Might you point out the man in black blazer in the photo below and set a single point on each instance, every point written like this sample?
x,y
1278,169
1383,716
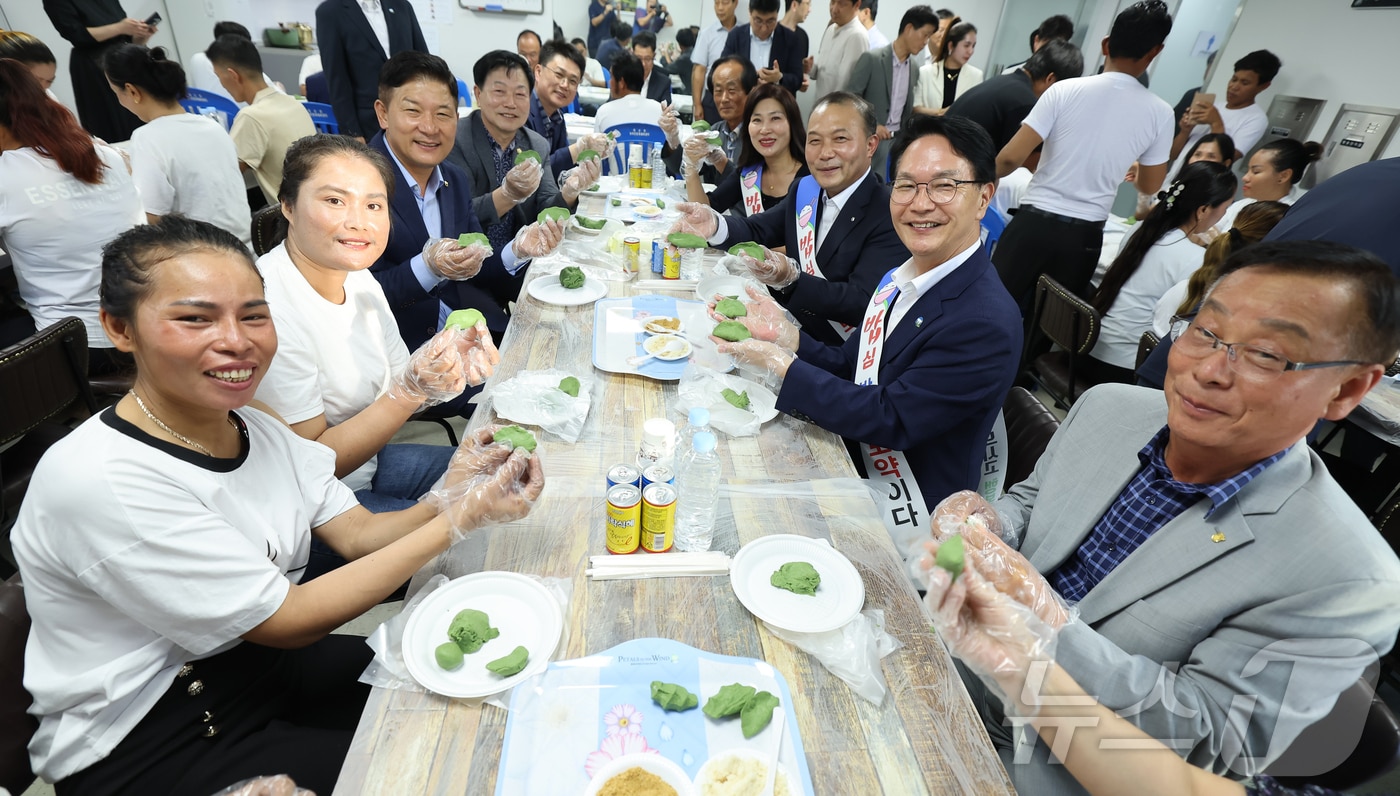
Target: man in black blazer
x,y
780,50
355,40
656,81
835,224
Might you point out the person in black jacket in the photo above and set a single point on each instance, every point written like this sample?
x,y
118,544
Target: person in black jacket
x,y
785,51
352,53
94,27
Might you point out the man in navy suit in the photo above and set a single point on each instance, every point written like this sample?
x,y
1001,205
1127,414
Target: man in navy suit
x,y
834,223
432,202
656,81
920,384
356,38
775,51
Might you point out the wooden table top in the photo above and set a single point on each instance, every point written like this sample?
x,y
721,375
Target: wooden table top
x,y
925,738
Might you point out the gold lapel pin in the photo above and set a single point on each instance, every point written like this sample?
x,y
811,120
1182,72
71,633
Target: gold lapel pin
x,y
1218,537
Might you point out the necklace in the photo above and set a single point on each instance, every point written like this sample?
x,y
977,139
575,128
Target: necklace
x,y
172,432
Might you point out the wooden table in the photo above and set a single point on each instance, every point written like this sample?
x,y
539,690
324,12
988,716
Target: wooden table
x,y
924,738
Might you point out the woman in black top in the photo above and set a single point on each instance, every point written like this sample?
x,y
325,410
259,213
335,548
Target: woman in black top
x,y
93,27
771,156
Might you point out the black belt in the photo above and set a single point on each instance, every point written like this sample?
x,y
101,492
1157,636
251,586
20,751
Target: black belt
x,y
1071,220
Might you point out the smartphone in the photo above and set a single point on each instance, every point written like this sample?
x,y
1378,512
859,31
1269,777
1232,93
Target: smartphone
x,y
153,19
1202,102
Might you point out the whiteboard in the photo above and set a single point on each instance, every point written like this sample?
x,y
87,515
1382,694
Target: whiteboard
x,y
504,6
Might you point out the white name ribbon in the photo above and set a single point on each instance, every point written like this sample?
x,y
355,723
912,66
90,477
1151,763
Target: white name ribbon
x,y
903,507
750,187
808,194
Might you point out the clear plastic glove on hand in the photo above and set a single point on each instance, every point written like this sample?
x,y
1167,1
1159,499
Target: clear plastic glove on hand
x,y
766,319
696,219
522,181
478,351
670,124
694,152
581,178
450,261
538,239
436,372
487,483
774,270
598,142
759,355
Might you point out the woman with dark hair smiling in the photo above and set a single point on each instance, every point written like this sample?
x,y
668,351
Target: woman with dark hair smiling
x,y
62,198
771,156
949,75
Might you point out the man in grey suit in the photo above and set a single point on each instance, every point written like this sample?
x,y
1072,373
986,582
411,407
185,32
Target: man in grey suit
x,y
1227,588
887,77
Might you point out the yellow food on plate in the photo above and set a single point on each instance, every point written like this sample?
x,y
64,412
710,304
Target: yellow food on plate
x,y
647,211
636,781
663,325
667,346
731,774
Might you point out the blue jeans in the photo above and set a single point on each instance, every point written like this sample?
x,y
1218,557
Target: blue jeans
x,y
405,472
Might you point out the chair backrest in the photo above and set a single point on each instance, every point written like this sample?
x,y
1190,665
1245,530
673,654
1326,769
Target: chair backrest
x,y
44,377
322,116
607,78
1029,427
268,229
1065,318
992,227
574,107
631,133
1146,343
317,90
203,103
464,94
1356,742
16,725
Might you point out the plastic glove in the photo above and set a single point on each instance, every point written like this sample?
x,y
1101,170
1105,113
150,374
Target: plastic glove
x,y
279,785
954,511
477,350
670,124
522,181
715,157
766,319
435,372
598,142
487,483
694,152
774,270
759,355
538,239
580,179
450,261
696,219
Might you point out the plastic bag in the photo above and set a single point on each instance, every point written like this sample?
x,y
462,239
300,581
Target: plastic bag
x,y
851,652
278,785
700,386
533,398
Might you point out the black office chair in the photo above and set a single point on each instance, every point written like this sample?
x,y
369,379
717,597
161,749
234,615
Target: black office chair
x,y
1355,743
16,725
1146,344
268,229
1069,322
1029,427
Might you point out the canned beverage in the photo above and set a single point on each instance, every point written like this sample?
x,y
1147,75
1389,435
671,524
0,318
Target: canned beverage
x,y
671,262
624,474
634,175
624,519
632,252
658,517
658,474
656,256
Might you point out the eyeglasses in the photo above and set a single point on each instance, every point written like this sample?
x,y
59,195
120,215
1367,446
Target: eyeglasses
x,y
1247,361
940,192
568,80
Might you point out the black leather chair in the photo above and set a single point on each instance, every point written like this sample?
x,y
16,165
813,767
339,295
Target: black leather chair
x,y
268,229
1146,343
43,389
1069,322
1355,743
16,726
1029,427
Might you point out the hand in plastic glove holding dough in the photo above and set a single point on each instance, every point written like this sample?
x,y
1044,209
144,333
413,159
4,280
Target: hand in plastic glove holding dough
x,y
598,142
774,270
448,260
487,483
766,319
696,219
759,355
478,352
694,152
435,372
581,178
538,239
670,124
522,180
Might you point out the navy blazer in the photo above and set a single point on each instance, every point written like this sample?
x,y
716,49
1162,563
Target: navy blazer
x,y
945,371
416,309
659,88
788,50
352,57
859,249
560,159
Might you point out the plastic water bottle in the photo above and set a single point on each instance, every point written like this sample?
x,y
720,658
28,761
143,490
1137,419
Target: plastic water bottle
x,y
697,420
658,168
697,487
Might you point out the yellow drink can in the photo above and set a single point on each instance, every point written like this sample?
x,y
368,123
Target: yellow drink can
x,y
624,519
658,517
670,262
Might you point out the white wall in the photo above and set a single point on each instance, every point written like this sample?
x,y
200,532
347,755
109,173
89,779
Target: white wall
x,y
1329,51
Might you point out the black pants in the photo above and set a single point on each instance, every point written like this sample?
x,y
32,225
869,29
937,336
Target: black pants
x,y
1034,243
248,712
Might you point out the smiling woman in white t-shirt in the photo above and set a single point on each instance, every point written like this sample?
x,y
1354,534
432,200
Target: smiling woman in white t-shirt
x,y
183,162
62,198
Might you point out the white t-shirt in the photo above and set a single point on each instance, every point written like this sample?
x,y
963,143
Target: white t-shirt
x,y
1228,220
186,163
169,557
1011,190
877,39
836,59
594,71
1166,307
1170,260
332,359
1245,126
54,227
201,75
1094,128
631,109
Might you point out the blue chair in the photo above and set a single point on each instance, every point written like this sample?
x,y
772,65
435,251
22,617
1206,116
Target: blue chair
x,y
992,227
464,94
322,116
316,88
646,134
202,103
575,106
607,78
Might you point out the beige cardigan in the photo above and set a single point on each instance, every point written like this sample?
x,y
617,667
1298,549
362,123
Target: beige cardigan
x,y
930,92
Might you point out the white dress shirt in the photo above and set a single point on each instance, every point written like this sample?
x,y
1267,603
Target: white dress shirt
x,y
831,208
912,287
760,51
374,12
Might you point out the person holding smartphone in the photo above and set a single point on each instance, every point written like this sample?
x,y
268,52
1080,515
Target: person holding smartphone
x,y
94,27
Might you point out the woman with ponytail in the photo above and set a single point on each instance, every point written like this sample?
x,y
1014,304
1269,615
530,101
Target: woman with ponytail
x,y
1273,175
183,163
1251,225
62,198
1156,256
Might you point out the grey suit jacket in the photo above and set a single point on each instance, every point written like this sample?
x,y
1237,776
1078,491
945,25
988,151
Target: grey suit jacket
x,y
472,153
873,78
1300,576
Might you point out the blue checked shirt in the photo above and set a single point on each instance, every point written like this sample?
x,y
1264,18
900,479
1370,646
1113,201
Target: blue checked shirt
x,y
1150,500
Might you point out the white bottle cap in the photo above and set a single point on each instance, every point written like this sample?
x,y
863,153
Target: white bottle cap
x,y
658,432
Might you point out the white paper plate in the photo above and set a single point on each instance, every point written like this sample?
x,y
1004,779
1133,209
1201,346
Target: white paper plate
x,y
711,286
839,598
763,404
675,346
548,290
523,610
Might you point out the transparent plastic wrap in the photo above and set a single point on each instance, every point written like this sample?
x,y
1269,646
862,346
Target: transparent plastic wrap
x,y
701,386
539,239
852,652
443,366
389,670
278,785
534,398
486,483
